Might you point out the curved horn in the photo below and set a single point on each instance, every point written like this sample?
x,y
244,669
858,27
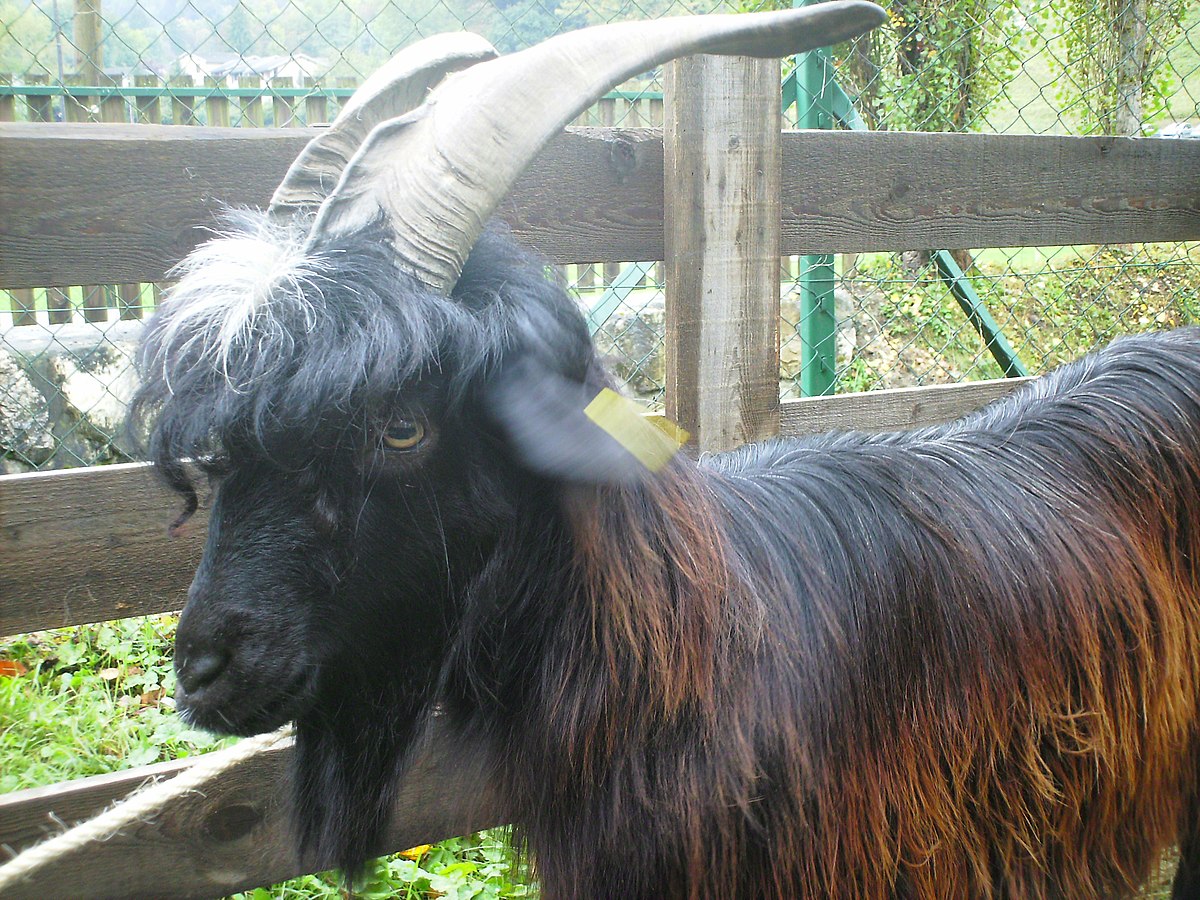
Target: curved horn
x,y
399,86
438,173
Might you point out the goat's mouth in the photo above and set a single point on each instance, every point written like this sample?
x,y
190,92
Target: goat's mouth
x,y
246,708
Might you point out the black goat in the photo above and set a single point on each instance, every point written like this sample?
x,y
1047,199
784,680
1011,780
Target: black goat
x,y
960,661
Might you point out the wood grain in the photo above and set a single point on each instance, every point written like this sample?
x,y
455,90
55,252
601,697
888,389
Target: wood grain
x,y
596,195
891,410
162,185
86,545
722,147
917,191
235,833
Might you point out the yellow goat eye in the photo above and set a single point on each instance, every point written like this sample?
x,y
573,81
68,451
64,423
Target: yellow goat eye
x,y
403,435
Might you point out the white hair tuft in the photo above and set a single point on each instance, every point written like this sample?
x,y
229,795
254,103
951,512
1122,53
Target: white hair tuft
x,y
248,286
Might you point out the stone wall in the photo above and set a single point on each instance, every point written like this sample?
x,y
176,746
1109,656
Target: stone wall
x,y
63,394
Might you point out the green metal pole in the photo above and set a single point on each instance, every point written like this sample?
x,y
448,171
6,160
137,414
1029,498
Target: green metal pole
x,y
832,102
977,313
818,319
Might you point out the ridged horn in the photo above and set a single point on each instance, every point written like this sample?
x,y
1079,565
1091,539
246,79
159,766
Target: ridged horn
x,y
401,85
438,173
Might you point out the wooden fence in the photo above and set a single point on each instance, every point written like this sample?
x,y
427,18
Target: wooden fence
x,y
242,102
119,203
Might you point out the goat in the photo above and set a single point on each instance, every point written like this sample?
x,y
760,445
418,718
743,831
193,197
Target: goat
x,y
956,661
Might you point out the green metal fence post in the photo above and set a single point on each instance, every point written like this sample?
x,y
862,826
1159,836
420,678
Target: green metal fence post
x,y
827,102
977,313
818,319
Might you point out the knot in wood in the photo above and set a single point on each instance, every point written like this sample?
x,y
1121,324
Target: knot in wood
x,y
622,155
230,823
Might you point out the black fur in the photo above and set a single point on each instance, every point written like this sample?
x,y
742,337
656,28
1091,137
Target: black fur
x,y
704,682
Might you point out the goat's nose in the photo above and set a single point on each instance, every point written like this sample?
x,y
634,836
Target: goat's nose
x,y
199,670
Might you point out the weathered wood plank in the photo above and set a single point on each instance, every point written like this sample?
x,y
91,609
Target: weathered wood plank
x,y
86,545
123,227
283,111
234,834
913,191
722,142
27,817
595,195
891,410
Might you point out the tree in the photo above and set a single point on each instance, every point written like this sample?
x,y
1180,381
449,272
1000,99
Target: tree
x,y
938,67
26,38
240,30
1115,54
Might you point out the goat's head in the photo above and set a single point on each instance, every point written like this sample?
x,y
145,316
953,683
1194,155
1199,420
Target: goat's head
x,y
378,385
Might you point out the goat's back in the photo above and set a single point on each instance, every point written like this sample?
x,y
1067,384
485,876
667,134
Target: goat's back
x,y
978,664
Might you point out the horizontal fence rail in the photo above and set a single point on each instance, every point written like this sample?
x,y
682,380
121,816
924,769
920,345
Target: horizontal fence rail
x,y
232,835
115,203
111,521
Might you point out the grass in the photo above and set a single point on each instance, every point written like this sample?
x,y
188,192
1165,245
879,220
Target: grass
x,y
90,700
98,698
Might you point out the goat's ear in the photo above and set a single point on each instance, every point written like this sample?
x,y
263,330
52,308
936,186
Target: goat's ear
x,y
576,432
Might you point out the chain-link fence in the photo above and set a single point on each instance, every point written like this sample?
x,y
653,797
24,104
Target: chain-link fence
x,y
848,322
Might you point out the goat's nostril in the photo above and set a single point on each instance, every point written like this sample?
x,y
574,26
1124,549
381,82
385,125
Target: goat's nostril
x,y
201,670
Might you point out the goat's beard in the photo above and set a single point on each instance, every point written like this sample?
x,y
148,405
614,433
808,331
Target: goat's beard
x,y
351,747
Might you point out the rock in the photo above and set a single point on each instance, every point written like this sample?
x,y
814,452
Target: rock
x,y
24,418
846,334
631,343
68,388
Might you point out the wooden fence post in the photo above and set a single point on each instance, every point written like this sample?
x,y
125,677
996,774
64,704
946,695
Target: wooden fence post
x,y
283,109
252,107
216,105
39,107
87,28
183,110
721,180
316,105
148,110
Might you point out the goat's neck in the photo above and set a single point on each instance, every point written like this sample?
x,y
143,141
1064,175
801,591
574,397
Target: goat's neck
x,y
617,592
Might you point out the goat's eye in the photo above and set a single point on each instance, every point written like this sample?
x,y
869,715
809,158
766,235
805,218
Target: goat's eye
x,y
402,434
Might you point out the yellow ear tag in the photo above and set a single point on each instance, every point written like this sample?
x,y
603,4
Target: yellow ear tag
x,y
652,441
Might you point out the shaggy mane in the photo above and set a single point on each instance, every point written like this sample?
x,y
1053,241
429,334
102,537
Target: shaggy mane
x,y
932,654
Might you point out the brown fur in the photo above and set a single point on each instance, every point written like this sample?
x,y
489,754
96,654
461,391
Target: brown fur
x,y
910,683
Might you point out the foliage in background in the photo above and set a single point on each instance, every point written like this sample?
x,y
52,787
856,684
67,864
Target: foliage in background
x,y
1050,304
1115,55
938,65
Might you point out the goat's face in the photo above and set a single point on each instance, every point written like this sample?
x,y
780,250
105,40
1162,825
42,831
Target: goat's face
x,y
363,465
352,556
